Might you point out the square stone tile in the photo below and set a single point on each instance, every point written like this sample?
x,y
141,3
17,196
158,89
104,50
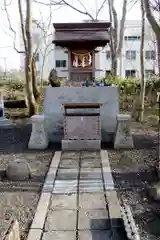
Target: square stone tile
x,y
87,186
90,163
93,219
65,186
61,220
90,154
69,163
92,201
59,202
67,174
90,173
95,235
59,235
70,154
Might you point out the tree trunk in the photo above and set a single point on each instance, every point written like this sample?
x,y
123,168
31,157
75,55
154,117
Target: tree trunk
x,y
113,64
142,93
31,103
158,54
32,106
155,26
36,93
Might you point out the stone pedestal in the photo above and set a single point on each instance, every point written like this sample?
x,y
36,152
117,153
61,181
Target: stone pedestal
x,y
123,137
39,138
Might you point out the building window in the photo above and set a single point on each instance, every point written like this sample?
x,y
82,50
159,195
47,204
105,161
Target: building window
x,y
150,55
108,54
132,38
130,73
61,63
149,73
131,55
37,57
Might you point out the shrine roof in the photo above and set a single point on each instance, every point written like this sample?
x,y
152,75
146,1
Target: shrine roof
x,y
66,33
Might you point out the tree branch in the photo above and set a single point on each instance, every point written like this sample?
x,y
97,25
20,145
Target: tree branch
x,y
121,30
150,17
100,8
10,27
22,25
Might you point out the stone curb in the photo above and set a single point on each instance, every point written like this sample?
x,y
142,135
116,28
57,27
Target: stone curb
x,y
116,210
36,230
112,198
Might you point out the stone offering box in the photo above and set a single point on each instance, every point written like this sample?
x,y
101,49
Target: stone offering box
x,y
82,126
55,98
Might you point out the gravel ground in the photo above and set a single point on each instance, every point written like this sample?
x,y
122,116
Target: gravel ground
x,y
133,172
19,199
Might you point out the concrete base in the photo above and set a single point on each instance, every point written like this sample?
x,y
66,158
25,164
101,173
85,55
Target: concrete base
x,y
4,122
81,145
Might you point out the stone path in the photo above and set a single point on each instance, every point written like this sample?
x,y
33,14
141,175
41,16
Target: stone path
x,y
80,207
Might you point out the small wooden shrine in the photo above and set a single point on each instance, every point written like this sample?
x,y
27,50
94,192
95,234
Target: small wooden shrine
x,y
81,41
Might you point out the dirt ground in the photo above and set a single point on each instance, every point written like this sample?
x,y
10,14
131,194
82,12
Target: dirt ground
x,y
19,199
133,172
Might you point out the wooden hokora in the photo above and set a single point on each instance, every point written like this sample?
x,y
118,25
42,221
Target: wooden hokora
x,y
81,41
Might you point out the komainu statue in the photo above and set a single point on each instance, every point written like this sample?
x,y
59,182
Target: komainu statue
x,y
53,78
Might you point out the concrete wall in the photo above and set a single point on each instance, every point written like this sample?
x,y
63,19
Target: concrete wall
x,y
55,97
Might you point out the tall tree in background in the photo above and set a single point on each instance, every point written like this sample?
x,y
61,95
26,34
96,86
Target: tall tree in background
x,y
30,70
27,39
151,5
142,92
116,34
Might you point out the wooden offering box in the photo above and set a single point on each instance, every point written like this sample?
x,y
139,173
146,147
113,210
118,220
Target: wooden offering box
x,y
82,121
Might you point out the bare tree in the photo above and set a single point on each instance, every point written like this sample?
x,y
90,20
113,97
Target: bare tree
x,y
26,28
142,92
154,24
116,43
30,51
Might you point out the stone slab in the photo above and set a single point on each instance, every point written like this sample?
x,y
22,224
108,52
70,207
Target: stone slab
x,y
51,175
35,234
90,173
65,186
81,145
59,235
39,218
90,154
108,96
59,202
114,209
69,163
70,154
89,186
91,163
92,201
104,158
67,174
61,220
95,235
56,159
93,219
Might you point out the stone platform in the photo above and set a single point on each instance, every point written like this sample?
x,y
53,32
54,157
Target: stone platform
x,y
54,98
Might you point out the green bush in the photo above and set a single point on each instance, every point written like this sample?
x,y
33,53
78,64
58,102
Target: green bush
x,y
16,85
127,85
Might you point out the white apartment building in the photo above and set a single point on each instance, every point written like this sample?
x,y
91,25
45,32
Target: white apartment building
x,y
128,62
